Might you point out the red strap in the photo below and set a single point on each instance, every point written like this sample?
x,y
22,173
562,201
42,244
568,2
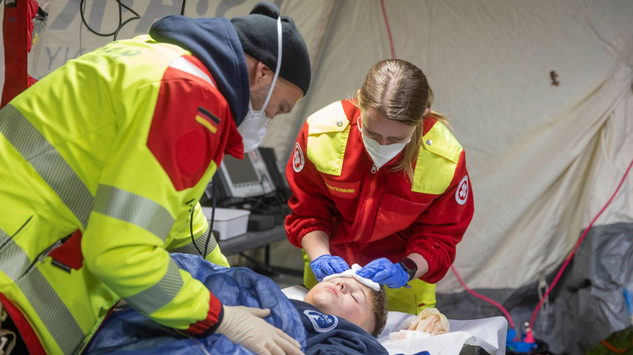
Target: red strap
x,y
614,349
24,328
214,316
17,30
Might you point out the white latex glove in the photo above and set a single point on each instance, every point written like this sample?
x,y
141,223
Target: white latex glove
x,y
244,325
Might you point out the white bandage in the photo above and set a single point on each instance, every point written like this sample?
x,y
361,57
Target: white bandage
x,y
352,273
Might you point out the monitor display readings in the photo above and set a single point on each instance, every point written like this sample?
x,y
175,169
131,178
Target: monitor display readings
x,y
241,171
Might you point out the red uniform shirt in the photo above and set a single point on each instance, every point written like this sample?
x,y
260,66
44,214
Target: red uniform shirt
x,y
371,215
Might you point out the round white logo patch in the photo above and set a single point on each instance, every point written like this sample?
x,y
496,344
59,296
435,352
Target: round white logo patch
x,y
461,195
298,161
321,323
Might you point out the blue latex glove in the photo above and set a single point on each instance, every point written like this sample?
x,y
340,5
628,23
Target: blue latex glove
x,y
385,272
326,265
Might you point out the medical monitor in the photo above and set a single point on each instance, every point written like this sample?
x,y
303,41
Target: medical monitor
x,y
248,177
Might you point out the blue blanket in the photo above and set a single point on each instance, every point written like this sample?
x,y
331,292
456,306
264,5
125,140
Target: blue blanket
x,y
128,332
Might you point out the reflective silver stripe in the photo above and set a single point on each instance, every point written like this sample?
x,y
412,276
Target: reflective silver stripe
x,y
135,209
52,311
200,242
41,296
183,64
157,296
13,261
47,161
4,237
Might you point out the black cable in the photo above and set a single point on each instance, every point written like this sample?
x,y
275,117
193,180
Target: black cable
x,y
115,33
137,17
260,202
193,240
82,8
261,182
193,208
213,195
275,193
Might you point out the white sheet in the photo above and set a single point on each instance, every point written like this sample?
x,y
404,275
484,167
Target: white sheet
x,y
488,333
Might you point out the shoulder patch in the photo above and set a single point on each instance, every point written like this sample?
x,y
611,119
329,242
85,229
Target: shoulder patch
x,y
321,323
298,160
461,195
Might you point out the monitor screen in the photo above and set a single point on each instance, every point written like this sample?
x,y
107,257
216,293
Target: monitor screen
x,y
240,171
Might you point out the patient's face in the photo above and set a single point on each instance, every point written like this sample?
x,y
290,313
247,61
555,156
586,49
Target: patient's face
x,y
344,297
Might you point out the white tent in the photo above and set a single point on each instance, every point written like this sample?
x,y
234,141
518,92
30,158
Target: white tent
x,y
538,92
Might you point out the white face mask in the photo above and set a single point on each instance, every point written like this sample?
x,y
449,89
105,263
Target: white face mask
x,y
381,154
254,127
255,124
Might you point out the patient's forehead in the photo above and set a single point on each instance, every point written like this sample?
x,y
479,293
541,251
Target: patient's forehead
x,y
363,287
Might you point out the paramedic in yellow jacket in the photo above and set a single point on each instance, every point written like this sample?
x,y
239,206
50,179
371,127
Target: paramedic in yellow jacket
x,y
102,164
380,181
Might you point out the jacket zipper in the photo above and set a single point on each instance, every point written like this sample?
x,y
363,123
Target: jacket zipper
x,y
367,211
44,254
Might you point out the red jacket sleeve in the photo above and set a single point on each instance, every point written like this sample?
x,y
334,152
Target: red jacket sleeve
x,y
438,230
312,208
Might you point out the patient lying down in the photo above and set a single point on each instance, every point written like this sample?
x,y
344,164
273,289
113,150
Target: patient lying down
x,y
336,317
349,299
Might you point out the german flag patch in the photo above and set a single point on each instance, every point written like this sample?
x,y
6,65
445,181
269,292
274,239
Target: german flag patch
x,y
207,119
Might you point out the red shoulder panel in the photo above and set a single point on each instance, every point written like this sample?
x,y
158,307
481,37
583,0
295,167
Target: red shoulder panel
x,y
189,126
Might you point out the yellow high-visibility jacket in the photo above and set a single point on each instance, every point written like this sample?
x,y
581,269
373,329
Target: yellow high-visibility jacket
x,y
101,163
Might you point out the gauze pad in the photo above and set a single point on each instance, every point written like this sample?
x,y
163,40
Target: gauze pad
x,y
352,273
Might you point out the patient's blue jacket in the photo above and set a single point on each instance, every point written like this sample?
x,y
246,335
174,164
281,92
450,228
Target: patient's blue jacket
x,y
328,334
128,332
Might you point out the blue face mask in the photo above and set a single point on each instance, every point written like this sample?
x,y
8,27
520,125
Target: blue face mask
x,y
255,124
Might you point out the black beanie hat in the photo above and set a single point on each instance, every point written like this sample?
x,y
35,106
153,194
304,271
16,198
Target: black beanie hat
x,y
257,32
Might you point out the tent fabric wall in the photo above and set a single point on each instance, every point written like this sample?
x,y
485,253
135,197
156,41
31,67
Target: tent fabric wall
x,y
65,38
543,158
531,147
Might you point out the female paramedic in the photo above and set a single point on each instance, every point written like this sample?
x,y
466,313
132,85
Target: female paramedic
x,y
379,180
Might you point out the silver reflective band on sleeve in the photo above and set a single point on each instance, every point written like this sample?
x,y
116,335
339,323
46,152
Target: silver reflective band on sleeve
x,y
47,161
200,242
157,296
132,208
183,64
51,310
